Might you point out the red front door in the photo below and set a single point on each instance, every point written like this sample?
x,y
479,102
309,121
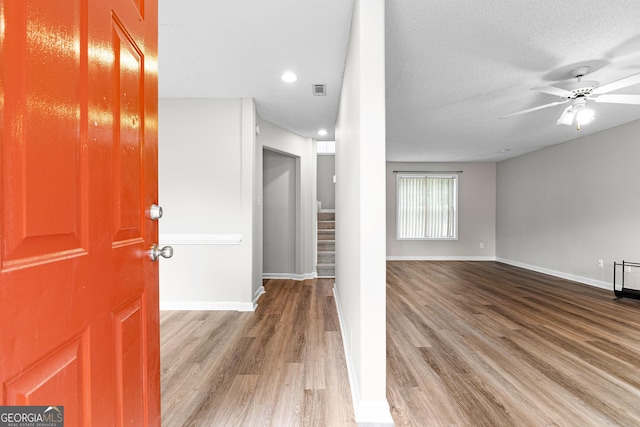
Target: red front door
x,y
78,291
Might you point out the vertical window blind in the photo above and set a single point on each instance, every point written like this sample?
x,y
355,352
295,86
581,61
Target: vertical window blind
x,y
427,207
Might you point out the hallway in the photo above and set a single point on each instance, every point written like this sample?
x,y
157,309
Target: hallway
x,y
282,365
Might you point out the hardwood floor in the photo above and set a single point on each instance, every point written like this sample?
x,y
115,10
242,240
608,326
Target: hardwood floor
x,y
468,343
282,365
487,344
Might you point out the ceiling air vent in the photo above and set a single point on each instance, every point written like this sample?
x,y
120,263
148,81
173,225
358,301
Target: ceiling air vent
x,y
319,90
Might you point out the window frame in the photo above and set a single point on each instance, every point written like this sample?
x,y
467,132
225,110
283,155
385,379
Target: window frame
x,y
427,175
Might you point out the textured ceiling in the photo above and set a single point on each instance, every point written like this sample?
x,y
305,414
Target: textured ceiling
x,y
453,67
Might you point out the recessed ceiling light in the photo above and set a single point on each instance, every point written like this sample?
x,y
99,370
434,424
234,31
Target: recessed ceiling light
x,y
289,77
322,132
504,150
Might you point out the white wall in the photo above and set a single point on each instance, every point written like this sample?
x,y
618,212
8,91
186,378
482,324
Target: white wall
x,y
561,209
249,130
476,215
360,220
303,149
207,165
279,213
326,187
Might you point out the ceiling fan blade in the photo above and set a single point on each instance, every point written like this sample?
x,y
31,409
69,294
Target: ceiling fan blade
x,y
553,91
567,116
618,99
633,79
535,109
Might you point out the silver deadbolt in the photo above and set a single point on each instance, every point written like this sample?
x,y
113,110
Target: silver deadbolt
x,y
155,212
156,252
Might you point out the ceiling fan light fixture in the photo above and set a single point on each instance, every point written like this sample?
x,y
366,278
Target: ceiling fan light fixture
x,y
579,92
567,116
585,116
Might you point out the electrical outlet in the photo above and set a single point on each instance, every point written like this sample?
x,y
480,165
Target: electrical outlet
x,y
627,269
600,263
481,245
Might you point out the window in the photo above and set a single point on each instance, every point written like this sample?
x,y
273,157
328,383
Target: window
x,y
427,206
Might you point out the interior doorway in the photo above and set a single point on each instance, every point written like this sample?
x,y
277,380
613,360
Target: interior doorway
x,y
280,214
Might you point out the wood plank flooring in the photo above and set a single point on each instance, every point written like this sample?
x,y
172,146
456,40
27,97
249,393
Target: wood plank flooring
x,y
282,365
468,344
487,344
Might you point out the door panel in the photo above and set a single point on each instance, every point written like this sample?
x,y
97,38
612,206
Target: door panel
x,y
64,373
33,231
129,339
129,116
78,293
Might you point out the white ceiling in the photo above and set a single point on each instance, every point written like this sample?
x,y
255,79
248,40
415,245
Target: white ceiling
x,y
453,68
240,48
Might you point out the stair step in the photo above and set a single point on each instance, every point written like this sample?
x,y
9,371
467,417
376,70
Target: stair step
x,y
326,235
326,245
326,225
326,270
326,257
326,216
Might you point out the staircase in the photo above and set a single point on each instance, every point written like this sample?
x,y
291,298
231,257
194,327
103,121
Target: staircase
x,y
326,244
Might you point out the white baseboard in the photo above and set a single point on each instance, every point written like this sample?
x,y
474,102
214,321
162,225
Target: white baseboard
x,y
365,411
440,258
290,276
206,306
560,274
213,305
257,295
375,413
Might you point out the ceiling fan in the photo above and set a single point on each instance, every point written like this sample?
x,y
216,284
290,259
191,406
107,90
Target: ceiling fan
x,y
580,92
